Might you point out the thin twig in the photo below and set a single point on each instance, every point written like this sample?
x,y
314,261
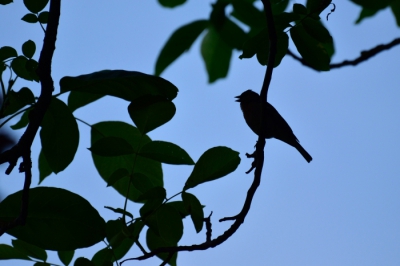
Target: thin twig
x,y
364,55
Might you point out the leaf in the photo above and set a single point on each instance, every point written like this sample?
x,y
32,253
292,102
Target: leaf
x,y
111,146
317,6
127,85
102,257
35,6
59,136
77,99
149,112
30,250
29,48
179,42
365,13
31,66
312,51
7,253
259,44
5,2
44,168
50,210
118,239
18,65
395,7
248,14
66,256
83,262
16,100
43,17
232,34
216,55
117,175
30,18
171,3
23,122
373,4
180,207
149,170
154,241
300,9
213,164
119,210
7,52
165,152
193,206
278,6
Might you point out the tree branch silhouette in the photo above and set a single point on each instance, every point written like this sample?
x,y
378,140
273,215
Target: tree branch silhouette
x,y
239,218
23,147
364,55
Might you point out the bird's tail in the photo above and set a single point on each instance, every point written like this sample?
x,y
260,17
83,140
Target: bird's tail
x,y
303,152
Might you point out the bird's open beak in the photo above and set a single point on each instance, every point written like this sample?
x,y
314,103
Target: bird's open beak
x,y
238,98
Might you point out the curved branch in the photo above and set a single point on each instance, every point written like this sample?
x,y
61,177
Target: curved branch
x,y
22,148
364,55
259,162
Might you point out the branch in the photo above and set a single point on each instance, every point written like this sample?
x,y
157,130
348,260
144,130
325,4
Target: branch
x,y
239,218
23,147
364,55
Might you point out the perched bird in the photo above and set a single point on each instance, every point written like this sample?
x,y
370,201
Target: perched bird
x,y
276,126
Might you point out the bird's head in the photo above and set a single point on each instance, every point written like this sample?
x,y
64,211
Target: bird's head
x,y
248,96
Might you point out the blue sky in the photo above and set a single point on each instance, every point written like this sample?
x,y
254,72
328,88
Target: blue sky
x,y
341,209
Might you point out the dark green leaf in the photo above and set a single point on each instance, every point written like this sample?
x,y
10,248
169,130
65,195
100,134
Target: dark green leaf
x,y
83,262
51,209
29,48
41,264
31,66
142,184
171,3
365,13
317,6
128,85
300,9
154,198
7,52
154,193
59,136
7,253
111,146
149,112
193,206
43,17
23,122
77,99
216,55
154,241
35,6
232,34
180,207
317,31
312,51
213,164
30,18
373,4
117,175
169,223
5,2
16,100
166,152
395,6
150,170
44,168
103,257
179,42
118,239
66,256
278,6
30,250
18,65
119,210
248,14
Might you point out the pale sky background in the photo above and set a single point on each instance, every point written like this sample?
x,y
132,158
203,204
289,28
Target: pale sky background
x,y
341,209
